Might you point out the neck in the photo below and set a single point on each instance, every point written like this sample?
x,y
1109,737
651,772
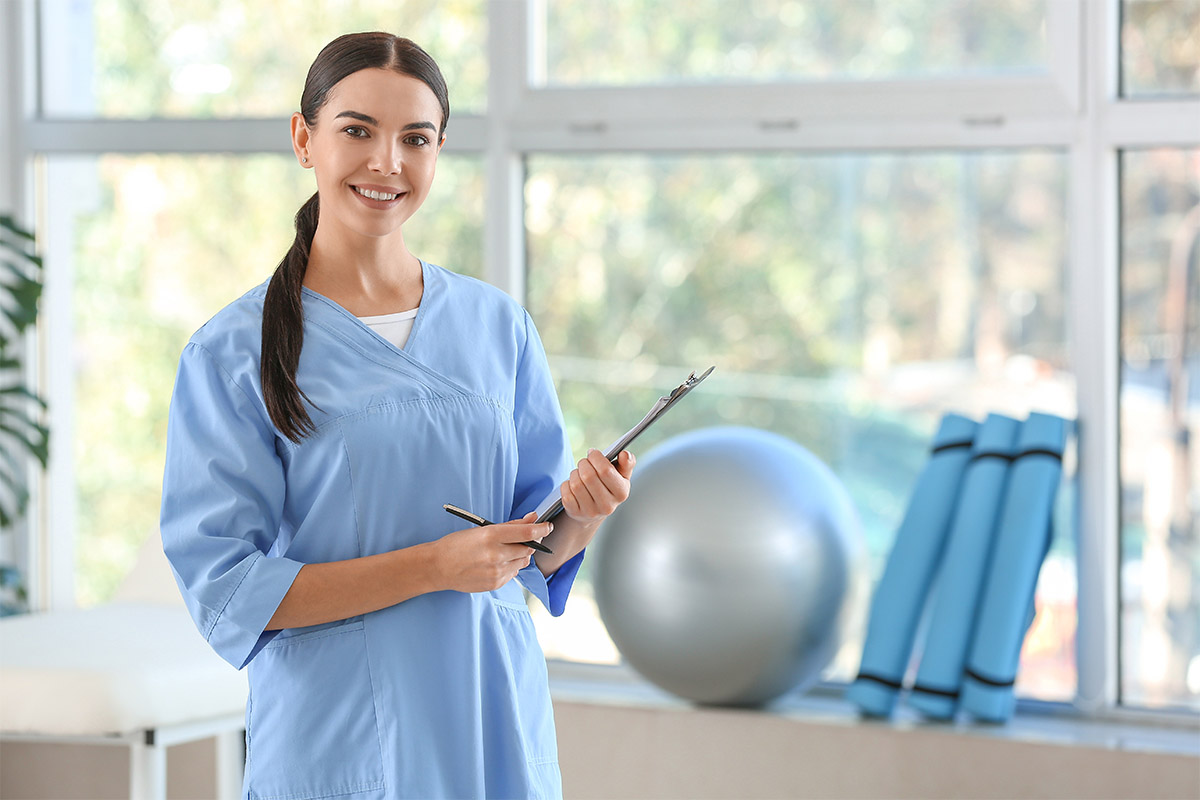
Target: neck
x,y
365,275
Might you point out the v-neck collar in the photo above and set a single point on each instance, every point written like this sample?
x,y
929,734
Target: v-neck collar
x,y
340,323
426,274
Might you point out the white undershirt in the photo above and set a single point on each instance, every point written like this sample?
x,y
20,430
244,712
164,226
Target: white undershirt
x,y
393,327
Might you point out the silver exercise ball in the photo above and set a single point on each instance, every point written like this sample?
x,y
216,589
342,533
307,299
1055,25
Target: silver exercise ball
x,y
726,577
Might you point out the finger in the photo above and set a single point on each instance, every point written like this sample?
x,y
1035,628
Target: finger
x,y
593,466
596,459
517,564
518,532
516,567
583,493
574,504
569,501
528,519
625,464
611,481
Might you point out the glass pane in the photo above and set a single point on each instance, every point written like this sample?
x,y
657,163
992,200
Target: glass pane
x,y
225,58
848,302
1160,49
157,245
1160,427
627,42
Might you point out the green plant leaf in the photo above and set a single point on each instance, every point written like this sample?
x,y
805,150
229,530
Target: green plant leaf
x,y
22,433
9,224
13,478
32,436
25,255
14,500
25,293
21,391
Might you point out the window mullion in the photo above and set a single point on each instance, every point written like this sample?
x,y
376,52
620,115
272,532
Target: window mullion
x,y
1093,295
57,529
504,230
1065,49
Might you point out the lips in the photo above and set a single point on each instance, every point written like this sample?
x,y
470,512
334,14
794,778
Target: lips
x,y
377,196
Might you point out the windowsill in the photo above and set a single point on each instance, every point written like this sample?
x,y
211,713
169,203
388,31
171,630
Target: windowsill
x,y
1035,723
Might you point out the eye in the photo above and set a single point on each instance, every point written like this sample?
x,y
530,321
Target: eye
x,y
417,140
355,131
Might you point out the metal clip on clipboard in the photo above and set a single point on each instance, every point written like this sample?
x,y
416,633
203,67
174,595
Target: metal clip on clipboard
x,y
552,506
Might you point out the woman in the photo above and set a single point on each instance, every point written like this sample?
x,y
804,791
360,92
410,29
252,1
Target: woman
x,y
390,653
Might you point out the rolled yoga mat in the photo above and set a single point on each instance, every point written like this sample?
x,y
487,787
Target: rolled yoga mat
x,y
1022,539
960,577
901,593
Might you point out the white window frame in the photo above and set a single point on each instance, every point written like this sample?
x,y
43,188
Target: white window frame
x,y
1074,108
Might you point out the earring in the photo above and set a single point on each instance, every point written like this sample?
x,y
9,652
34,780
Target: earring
x,y
304,159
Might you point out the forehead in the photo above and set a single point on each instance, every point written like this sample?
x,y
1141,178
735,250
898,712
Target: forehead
x,y
389,96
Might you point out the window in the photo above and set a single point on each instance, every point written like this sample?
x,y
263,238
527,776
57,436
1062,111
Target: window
x,y
1160,50
650,42
848,302
1160,420
227,58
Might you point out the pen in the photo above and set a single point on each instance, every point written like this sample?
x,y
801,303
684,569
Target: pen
x,y
478,520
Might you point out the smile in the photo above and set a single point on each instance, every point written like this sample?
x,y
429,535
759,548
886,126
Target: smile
x,y
373,195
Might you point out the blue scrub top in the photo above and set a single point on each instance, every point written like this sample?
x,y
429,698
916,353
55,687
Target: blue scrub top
x,y
443,695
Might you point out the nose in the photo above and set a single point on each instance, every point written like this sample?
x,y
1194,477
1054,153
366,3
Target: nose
x,y
386,158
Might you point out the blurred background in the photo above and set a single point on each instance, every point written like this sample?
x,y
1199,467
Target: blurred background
x,y
644,177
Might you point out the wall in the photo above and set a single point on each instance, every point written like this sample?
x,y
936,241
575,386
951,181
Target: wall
x,y
608,751
619,751
99,772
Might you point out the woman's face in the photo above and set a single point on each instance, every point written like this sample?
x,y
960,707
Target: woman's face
x,y
374,150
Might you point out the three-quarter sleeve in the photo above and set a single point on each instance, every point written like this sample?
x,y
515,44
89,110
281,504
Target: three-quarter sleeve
x,y
543,461
223,495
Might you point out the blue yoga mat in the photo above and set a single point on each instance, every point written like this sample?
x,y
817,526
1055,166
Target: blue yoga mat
x,y
960,577
902,590
1022,539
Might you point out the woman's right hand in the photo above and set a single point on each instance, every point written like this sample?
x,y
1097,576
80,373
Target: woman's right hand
x,y
485,558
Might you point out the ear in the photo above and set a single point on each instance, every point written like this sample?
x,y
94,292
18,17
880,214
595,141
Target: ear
x,y
441,143
300,136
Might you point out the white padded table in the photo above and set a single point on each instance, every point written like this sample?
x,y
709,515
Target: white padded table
x,y
133,674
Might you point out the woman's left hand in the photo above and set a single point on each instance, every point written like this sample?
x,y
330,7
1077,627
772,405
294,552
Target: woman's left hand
x,y
596,487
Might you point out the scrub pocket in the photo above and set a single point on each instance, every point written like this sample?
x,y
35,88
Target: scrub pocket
x,y
531,690
312,729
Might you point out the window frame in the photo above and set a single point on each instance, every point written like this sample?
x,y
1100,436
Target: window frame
x,y
1075,106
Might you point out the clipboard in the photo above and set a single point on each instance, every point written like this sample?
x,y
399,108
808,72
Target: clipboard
x,y
552,506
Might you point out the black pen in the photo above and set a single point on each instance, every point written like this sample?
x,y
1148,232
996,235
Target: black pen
x,y
478,520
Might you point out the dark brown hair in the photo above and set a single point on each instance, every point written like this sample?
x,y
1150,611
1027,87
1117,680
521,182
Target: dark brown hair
x,y
283,310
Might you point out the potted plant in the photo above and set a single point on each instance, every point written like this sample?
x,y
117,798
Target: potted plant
x,y
22,432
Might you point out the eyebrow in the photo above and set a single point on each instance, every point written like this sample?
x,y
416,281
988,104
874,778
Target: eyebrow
x,y
367,118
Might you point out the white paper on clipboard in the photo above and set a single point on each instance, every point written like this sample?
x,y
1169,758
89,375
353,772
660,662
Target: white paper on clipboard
x,y
550,508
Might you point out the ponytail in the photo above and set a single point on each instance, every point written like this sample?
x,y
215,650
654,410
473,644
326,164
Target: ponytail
x,y
283,332
283,309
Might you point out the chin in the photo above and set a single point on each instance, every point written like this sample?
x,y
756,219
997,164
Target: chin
x,y
377,228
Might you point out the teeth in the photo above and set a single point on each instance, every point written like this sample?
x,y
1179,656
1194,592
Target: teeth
x,y
376,195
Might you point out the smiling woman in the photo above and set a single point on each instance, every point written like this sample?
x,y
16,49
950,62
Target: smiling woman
x,y
351,71
309,452
373,175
